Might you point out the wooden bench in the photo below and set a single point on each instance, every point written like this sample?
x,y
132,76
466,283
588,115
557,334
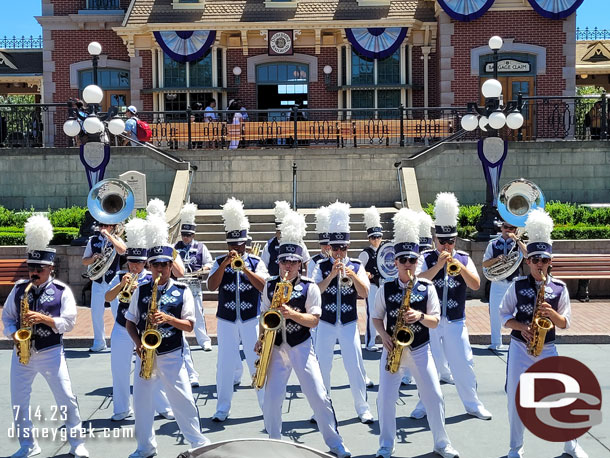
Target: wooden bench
x,y
581,267
12,270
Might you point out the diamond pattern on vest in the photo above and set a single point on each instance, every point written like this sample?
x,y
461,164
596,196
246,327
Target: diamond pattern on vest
x,y
230,287
452,304
527,292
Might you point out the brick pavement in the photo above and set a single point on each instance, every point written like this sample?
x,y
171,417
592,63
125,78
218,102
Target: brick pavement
x,y
590,322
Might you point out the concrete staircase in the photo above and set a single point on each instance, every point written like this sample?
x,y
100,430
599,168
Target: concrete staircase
x,y
210,230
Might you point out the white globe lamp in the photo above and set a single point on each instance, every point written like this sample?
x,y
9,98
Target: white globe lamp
x,y
94,48
483,122
116,126
71,128
514,120
495,43
327,69
93,94
497,120
491,88
93,125
469,122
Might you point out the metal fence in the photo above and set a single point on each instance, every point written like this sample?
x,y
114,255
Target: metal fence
x,y
21,43
592,34
580,118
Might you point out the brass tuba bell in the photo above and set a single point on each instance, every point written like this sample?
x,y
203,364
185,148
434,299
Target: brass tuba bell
x,y
111,201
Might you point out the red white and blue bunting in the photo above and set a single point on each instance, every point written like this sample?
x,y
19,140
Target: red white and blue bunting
x,y
469,10
376,42
555,9
185,46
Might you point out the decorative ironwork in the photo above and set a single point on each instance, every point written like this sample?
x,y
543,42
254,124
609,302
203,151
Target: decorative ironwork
x,y
21,43
592,34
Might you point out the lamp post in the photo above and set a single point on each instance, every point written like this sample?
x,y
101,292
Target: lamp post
x,y
492,150
94,49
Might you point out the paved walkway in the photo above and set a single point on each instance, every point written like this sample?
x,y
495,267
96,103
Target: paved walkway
x,y
590,323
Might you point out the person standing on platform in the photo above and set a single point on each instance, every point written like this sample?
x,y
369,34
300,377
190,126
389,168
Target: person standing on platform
x,y
271,250
452,272
368,258
293,348
51,313
516,312
239,278
197,261
341,281
322,225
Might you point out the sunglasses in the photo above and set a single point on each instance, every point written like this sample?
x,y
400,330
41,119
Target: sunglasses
x,y
375,237
509,228
160,264
444,241
537,260
186,234
339,247
289,262
404,259
35,268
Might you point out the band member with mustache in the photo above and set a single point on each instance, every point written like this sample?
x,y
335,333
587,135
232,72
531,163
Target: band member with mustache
x,y
52,313
239,294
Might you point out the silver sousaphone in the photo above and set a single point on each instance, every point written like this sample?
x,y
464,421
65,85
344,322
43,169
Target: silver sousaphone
x,y
110,201
385,261
515,202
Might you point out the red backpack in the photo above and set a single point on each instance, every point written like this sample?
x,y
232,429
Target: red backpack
x,y
143,131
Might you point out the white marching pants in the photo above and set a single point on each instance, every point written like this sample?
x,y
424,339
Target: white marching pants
x,y
453,337
229,335
303,360
496,294
371,332
121,355
438,353
201,333
349,341
169,369
422,367
98,291
518,362
51,364
188,361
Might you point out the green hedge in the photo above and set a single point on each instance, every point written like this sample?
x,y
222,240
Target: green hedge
x,y
61,236
63,217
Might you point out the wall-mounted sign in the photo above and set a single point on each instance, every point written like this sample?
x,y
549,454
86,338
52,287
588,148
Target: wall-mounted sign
x,y
280,43
508,65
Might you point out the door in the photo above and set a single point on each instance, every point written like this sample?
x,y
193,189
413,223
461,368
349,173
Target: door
x,y
118,99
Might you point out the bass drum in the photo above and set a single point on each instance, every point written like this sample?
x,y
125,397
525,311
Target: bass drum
x,y
385,261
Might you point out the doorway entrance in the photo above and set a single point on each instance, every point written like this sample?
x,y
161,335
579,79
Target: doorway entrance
x,y
280,86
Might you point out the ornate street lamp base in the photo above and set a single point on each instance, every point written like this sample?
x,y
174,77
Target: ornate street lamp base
x,y
487,226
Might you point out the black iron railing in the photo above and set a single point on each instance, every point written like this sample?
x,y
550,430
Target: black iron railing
x,y
31,125
21,43
592,34
103,5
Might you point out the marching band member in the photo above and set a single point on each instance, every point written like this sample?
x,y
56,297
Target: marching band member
x,y
424,313
52,313
451,335
238,304
516,312
175,315
93,251
368,258
293,347
495,252
197,260
271,250
322,225
339,319
121,351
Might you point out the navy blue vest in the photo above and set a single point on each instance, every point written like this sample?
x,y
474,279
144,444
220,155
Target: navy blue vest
x,y
122,308
273,247
169,301
97,242
48,302
527,292
394,295
249,296
346,308
371,265
456,286
497,248
295,333
195,255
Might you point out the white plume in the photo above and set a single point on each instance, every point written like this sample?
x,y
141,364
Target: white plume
x,y
406,226
234,216
293,228
135,231
281,210
371,217
446,209
539,226
339,217
425,225
156,207
322,220
187,214
38,232
157,231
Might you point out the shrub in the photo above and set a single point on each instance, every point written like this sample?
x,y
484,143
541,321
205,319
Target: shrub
x,y
67,217
61,236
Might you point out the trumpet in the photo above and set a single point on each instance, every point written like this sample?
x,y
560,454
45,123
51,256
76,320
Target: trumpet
x,y
344,280
125,294
453,268
237,264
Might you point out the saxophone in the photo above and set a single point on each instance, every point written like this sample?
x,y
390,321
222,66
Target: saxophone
x,y
151,337
271,321
403,335
24,335
540,325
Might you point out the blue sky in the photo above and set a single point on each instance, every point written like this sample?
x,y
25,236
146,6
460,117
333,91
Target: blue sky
x,y
18,16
